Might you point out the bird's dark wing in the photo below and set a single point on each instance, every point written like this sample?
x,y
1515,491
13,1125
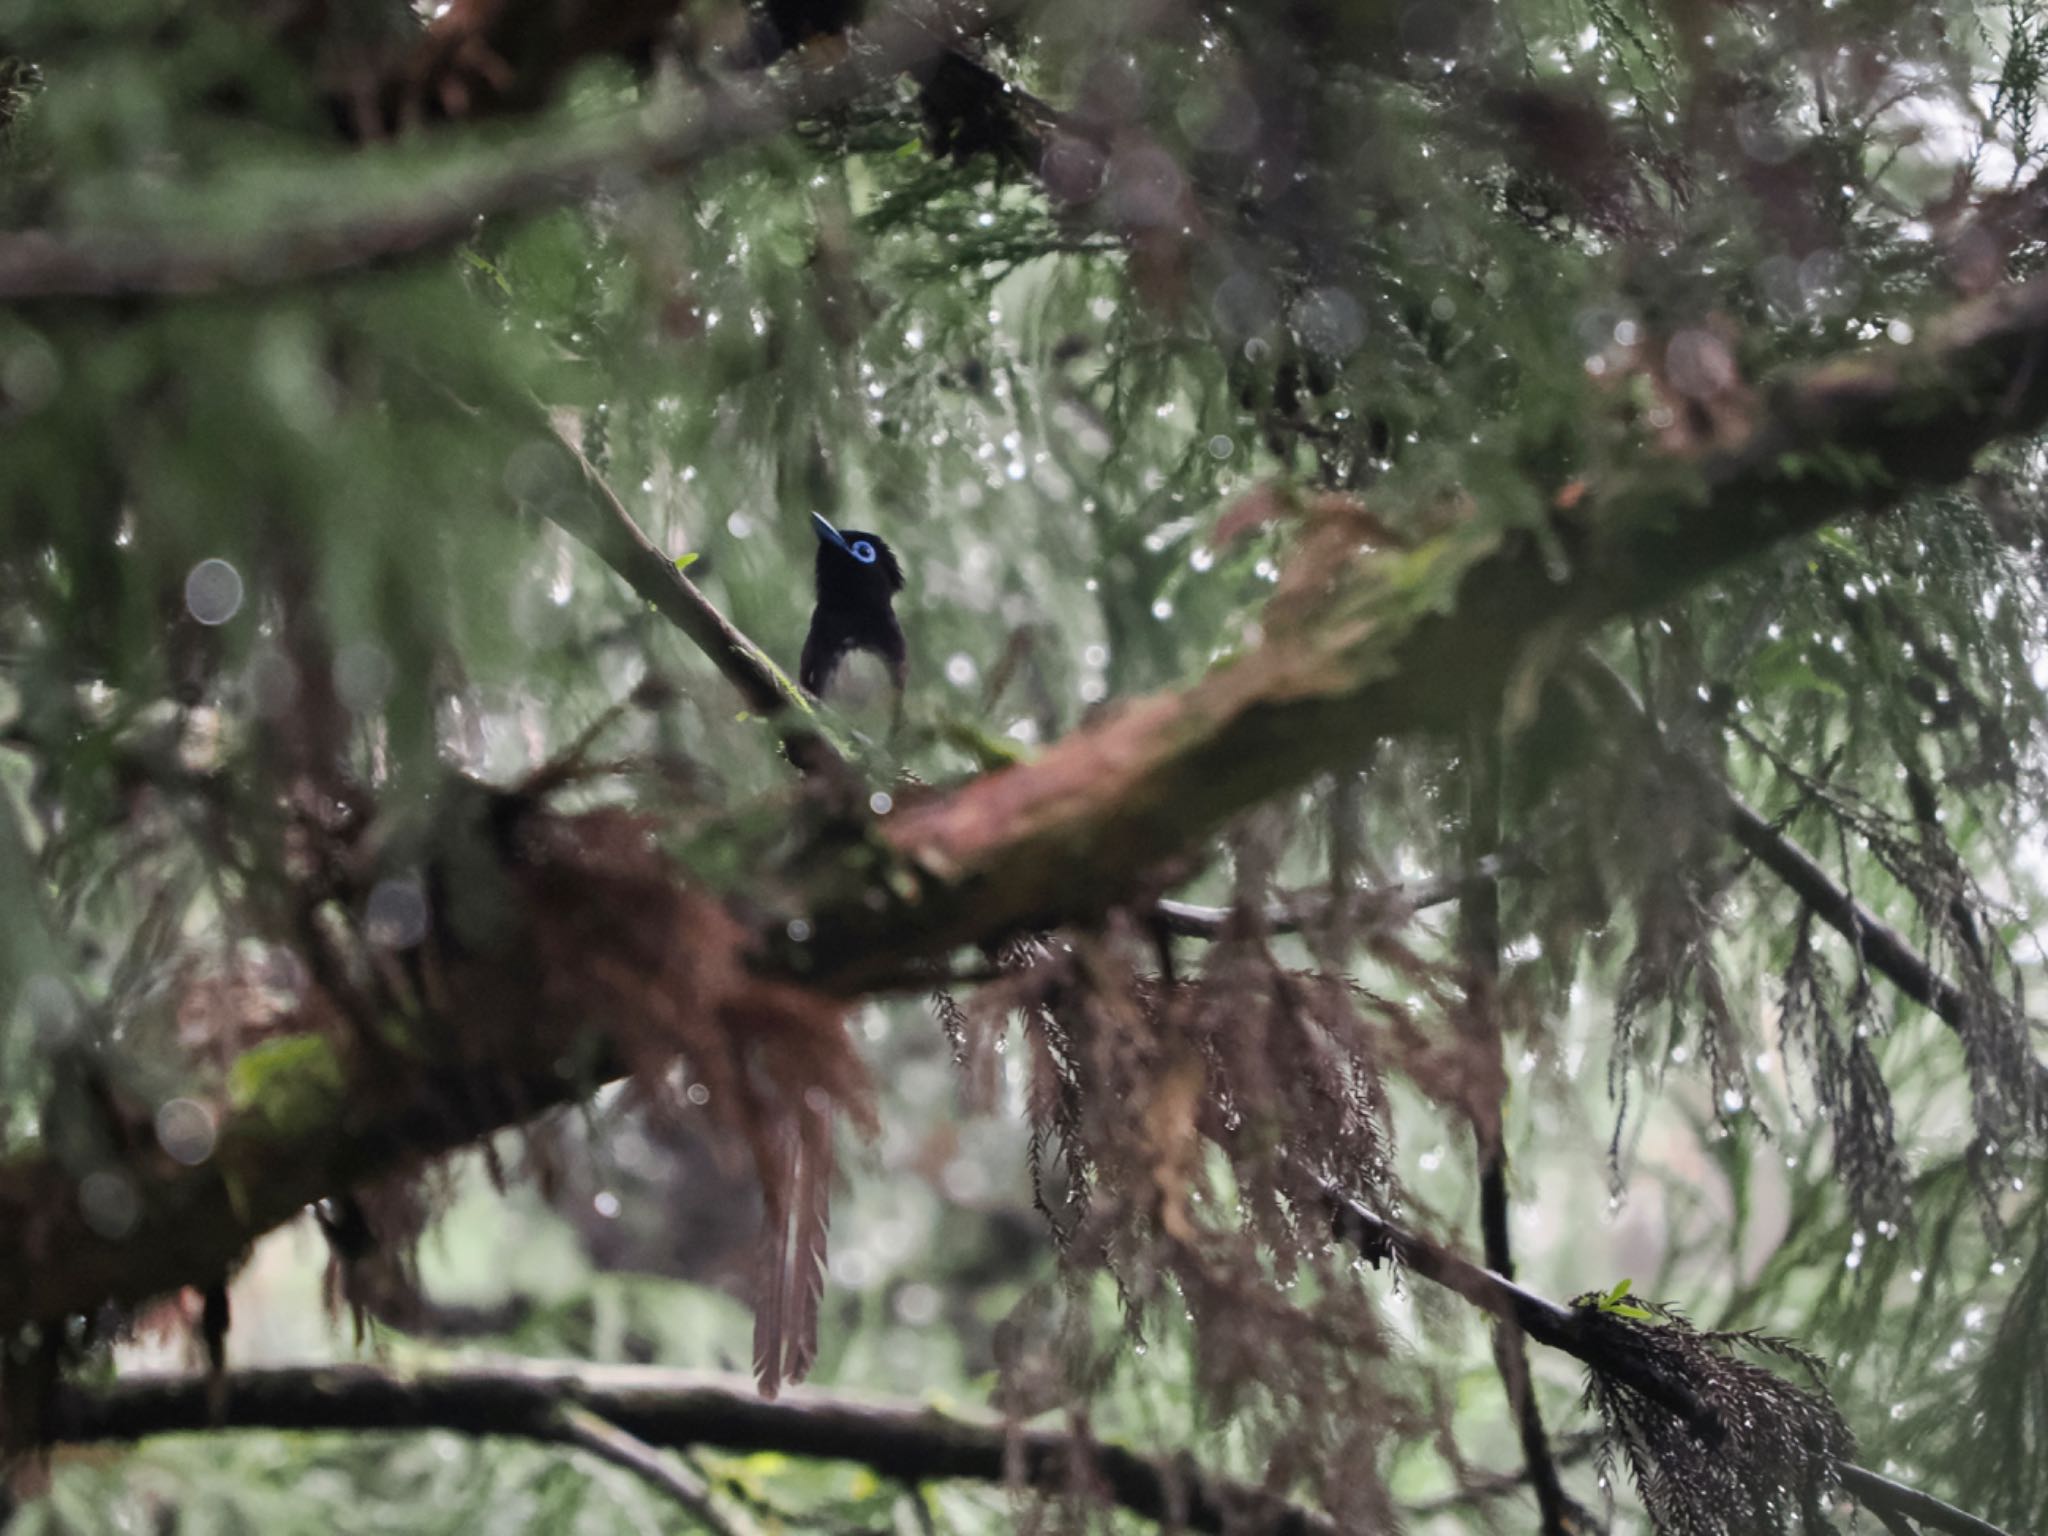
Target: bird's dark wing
x,y
825,647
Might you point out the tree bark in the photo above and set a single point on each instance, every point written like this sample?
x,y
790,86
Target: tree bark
x,y
677,1409
1400,642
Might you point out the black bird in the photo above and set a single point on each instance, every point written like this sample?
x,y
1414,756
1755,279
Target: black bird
x,y
858,577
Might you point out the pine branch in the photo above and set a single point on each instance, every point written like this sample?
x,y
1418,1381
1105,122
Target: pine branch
x,y
1879,945
547,169
675,1410
1407,641
1586,1335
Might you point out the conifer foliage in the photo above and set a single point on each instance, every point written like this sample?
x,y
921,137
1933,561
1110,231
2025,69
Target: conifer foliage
x,y
1475,603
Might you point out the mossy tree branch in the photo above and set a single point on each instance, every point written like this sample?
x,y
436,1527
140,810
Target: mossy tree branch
x,y
1607,1346
1400,643
1419,640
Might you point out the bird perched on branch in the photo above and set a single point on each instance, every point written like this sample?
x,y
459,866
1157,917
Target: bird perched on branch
x,y
855,653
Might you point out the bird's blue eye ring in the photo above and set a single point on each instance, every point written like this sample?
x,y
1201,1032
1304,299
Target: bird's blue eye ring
x,y
863,551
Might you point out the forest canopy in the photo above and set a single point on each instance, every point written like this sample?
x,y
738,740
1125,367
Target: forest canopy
x,y
854,766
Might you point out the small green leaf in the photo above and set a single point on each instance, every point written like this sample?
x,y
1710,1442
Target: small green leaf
x,y
683,563
490,270
1621,1289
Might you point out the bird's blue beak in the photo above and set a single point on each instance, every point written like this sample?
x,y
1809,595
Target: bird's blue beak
x,y
826,533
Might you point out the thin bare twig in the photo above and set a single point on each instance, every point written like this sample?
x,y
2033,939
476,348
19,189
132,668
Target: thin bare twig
x,y
1499,1485
574,1425
1371,905
1480,1021
602,523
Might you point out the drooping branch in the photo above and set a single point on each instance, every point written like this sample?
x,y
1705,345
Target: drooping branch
x,y
675,1410
1877,943
549,169
1605,1347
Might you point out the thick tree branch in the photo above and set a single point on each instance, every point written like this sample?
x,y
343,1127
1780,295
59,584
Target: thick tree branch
x,y
1399,642
549,169
675,1410
1408,641
1604,1346
312,1125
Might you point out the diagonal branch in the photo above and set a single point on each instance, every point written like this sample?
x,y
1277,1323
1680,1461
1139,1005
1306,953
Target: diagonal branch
x,y
1399,642
573,1424
568,490
1885,949
676,1409
546,169
599,520
1584,1334
1877,943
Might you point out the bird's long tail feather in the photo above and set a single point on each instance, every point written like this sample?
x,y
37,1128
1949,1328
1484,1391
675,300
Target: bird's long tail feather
x,y
790,1278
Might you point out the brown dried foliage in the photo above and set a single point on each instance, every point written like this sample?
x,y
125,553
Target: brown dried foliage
x,y
1135,1084
548,935
610,936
